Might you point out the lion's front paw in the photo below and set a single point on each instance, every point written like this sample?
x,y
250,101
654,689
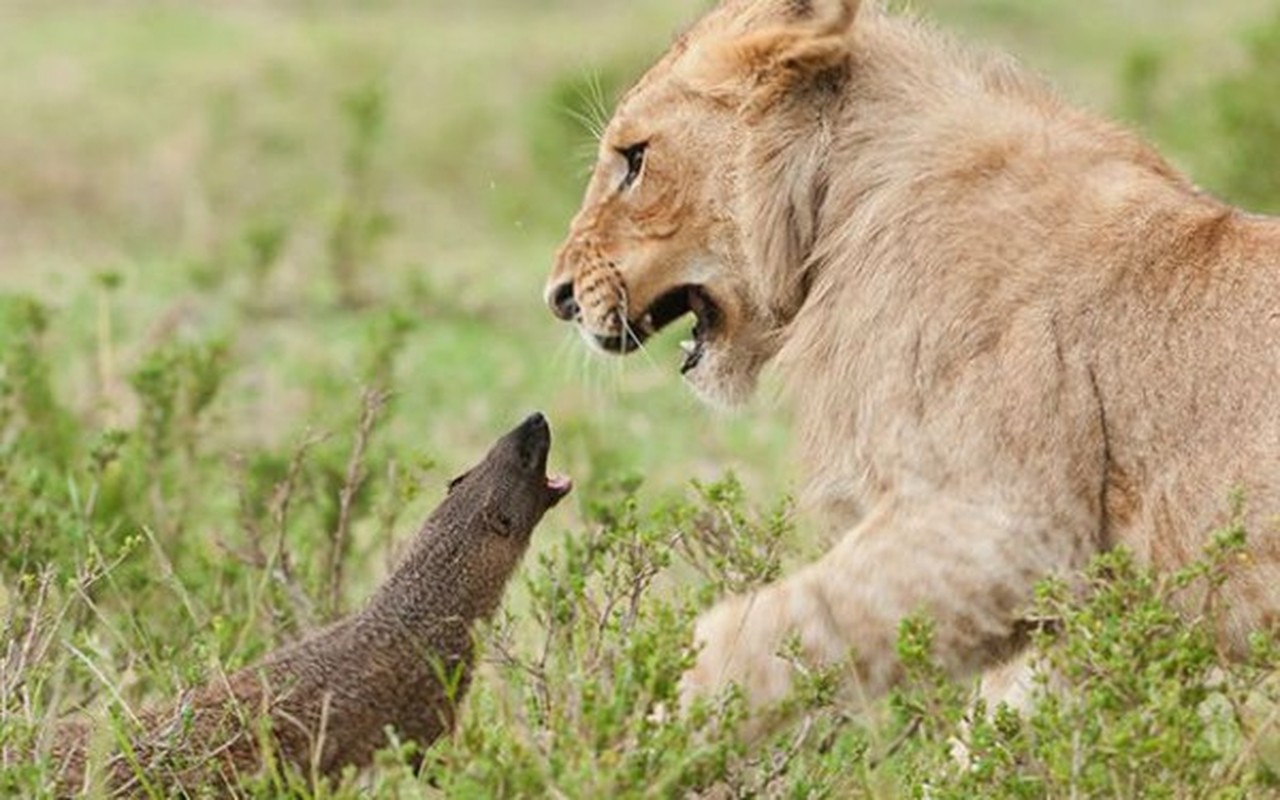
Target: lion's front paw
x,y
739,642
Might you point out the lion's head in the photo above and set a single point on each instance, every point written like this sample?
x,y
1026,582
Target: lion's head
x,y
705,193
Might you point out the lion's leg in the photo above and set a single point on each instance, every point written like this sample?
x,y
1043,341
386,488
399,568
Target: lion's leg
x,y
969,568
1012,683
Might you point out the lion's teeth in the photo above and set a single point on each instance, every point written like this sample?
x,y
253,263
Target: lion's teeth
x,y
693,350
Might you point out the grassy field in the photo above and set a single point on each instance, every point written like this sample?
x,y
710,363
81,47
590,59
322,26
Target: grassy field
x,y
222,224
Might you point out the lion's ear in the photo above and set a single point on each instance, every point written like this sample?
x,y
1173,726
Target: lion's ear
x,y
759,67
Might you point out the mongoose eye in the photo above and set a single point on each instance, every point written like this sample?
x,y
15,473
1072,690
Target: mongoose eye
x,y
453,484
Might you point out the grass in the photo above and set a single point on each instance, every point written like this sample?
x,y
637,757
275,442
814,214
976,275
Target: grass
x,y
222,225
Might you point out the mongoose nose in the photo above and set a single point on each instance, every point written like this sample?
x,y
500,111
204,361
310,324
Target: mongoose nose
x,y
535,422
533,440
560,298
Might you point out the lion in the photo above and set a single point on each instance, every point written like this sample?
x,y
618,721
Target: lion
x,y
1011,334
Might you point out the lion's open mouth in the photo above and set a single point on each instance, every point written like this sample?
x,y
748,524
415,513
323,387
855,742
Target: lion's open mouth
x,y
665,310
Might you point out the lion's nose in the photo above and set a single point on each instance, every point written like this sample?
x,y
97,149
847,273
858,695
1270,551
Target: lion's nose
x,y
560,298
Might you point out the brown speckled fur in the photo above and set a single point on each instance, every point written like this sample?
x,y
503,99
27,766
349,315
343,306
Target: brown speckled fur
x,y
403,662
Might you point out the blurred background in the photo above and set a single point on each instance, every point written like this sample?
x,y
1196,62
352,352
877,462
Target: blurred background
x,y
229,229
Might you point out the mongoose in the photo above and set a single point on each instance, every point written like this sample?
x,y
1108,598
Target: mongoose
x,y
403,662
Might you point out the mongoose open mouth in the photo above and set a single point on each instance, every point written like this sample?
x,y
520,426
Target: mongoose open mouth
x,y
559,486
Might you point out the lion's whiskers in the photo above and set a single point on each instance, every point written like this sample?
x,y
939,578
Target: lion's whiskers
x,y
594,116
596,106
628,332
591,126
564,349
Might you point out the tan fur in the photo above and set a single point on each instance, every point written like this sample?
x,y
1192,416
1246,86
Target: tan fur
x,y
1012,334
401,664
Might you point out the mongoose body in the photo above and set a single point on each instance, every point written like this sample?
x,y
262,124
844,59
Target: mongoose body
x,y
401,663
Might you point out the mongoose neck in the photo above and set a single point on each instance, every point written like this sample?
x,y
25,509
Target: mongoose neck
x,y
451,577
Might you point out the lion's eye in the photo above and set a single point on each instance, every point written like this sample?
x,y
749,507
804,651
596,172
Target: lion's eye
x,y
635,162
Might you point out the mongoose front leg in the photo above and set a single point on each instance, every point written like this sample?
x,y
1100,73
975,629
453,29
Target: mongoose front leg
x,y
970,568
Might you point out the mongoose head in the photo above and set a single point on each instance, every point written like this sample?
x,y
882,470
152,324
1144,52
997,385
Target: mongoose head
x,y
506,494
